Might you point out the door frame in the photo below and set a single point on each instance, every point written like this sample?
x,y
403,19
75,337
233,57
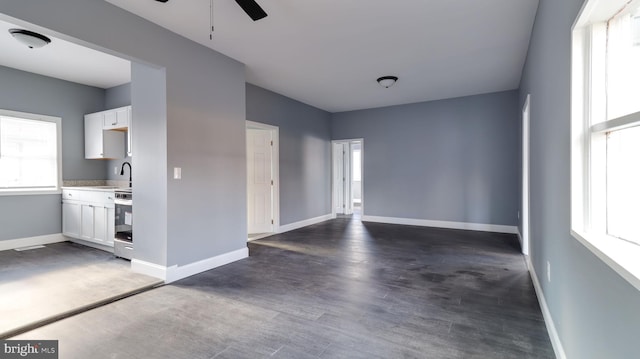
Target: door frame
x,y
526,121
349,175
275,170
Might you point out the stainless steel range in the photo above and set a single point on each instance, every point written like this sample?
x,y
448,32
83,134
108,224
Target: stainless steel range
x,y
123,241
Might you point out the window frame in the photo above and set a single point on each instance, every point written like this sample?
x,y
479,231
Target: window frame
x,y
36,190
588,141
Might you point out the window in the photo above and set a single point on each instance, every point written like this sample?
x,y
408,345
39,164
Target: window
x,y
605,130
29,153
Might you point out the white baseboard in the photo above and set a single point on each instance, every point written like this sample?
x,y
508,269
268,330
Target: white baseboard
x,y
548,320
304,223
443,224
31,241
150,269
175,272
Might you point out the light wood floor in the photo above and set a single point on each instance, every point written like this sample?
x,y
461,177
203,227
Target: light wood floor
x,y
44,284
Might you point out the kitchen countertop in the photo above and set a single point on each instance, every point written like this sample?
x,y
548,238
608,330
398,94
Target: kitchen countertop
x,y
96,188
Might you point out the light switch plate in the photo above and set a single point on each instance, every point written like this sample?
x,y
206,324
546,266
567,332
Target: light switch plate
x,y
177,173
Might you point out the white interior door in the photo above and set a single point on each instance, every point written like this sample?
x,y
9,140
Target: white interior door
x,y
338,178
342,197
525,177
259,181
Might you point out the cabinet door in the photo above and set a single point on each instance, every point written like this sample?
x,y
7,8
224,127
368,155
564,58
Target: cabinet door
x,y
111,225
87,222
71,219
104,225
100,224
93,141
116,119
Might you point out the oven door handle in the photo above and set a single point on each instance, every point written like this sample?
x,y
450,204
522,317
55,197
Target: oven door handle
x,y
123,202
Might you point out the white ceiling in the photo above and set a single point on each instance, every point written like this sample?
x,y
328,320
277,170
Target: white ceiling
x,y
328,53
63,60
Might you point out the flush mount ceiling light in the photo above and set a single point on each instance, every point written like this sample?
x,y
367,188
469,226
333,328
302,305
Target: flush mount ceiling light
x,y
32,39
387,81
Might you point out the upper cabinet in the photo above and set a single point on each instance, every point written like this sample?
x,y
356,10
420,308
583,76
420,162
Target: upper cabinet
x,y
117,118
104,136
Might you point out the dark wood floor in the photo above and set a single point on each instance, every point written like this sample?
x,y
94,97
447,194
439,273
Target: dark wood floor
x,y
339,289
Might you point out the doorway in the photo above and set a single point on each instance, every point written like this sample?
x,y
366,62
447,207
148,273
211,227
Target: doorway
x,y
347,192
525,176
262,180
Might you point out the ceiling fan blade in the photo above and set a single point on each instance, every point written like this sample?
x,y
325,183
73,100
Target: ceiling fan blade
x,y
252,9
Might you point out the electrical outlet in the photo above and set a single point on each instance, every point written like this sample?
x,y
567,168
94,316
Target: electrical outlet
x,y
548,272
115,170
518,214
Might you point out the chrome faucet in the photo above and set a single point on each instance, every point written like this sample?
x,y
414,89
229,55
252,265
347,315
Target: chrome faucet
x,y
122,171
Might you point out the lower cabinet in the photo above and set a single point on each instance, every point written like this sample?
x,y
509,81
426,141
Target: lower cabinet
x,y
103,225
71,219
89,221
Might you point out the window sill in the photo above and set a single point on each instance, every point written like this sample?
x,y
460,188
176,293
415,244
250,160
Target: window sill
x,y
30,192
622,257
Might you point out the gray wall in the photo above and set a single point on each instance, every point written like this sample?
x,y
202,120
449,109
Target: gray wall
x,y
207,209
115,97
34,215
595,311
199,125
305,152
449,160
148,91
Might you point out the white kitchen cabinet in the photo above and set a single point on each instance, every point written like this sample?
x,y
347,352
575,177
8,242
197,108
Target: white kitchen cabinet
x,y
86,222
100,143
103,225
116,119
104,133
89,215
71,217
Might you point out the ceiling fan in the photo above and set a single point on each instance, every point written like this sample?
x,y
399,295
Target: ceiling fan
x,y
251,7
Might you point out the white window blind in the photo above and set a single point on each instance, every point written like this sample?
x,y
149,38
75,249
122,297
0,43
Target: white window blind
x,y
623,65
29,158
623,177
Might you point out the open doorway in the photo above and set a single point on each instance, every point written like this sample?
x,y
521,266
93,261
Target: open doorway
x,y
263,217
67,266
347,178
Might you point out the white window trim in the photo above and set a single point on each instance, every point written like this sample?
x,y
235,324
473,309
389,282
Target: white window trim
x,y
621,256
38,191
